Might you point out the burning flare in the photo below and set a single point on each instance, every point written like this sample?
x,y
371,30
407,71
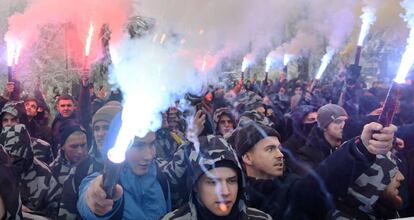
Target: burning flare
x,y
13,52
89,39
368,18
247,62
286,59
407,58
269,62
325,61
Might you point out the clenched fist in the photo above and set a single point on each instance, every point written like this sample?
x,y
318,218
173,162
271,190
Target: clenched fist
x,y
377,139
96,197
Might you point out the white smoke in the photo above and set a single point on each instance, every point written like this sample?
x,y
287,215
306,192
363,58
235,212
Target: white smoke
x,y
407,60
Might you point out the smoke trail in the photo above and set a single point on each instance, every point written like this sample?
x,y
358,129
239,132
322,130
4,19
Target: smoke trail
x,y
152,77
324,62
407,60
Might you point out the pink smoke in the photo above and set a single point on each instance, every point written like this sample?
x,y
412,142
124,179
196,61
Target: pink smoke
x,y
75,14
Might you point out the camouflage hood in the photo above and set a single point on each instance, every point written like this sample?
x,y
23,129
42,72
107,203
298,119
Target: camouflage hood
x,y
16,142
248,101
365,191
213,150
254,116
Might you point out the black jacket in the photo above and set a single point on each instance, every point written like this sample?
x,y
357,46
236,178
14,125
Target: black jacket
x,y
312,196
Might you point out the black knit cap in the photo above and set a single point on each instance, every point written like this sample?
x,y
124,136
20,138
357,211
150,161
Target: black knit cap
x,y
68,127
244,138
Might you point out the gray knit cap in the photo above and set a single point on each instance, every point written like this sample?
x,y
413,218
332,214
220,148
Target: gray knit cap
x,y
328,113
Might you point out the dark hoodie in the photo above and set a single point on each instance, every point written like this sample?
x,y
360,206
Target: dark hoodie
x,y
214,152
316,150
300,130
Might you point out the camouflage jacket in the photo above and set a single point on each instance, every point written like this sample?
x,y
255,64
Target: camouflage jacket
x,y
166,143
70,187
189,212
42,150
39,190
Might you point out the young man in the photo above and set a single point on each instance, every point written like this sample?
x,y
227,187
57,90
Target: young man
x,y
9,115
65,106
327,137
100,125
71,166
73,150
41,149
287,196
224,122
303,121
217,185
36,129
145,184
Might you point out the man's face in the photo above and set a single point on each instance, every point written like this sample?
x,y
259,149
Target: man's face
x,y
265,160
65,108
218,190
310,118
140,156
261,109
31,108
100,128
298,91
336,128
391,193
76,147
225,125
8,120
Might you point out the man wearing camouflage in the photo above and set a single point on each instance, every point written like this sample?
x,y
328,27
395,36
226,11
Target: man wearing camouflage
x,y
217,184
40,191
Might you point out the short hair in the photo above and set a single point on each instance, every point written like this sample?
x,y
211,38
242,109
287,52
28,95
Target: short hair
x,y
65,97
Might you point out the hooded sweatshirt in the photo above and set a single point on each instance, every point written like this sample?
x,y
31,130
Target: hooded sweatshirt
x,y
212,152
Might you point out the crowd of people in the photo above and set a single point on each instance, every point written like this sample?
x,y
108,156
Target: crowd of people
x,y
250,149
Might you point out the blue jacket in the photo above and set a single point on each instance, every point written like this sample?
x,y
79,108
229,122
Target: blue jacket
x,y
145,197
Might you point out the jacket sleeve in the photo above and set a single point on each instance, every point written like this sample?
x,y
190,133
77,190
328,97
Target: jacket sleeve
x,y
323,185
84,113
83,207
176,168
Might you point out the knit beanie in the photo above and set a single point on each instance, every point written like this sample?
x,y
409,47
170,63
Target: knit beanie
x,y
107,112
328,113
68,127
244,138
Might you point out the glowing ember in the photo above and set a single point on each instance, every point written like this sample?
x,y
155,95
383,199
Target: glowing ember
x,y
223,207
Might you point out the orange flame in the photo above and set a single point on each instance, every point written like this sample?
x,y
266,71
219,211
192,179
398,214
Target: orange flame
x,y
89,40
